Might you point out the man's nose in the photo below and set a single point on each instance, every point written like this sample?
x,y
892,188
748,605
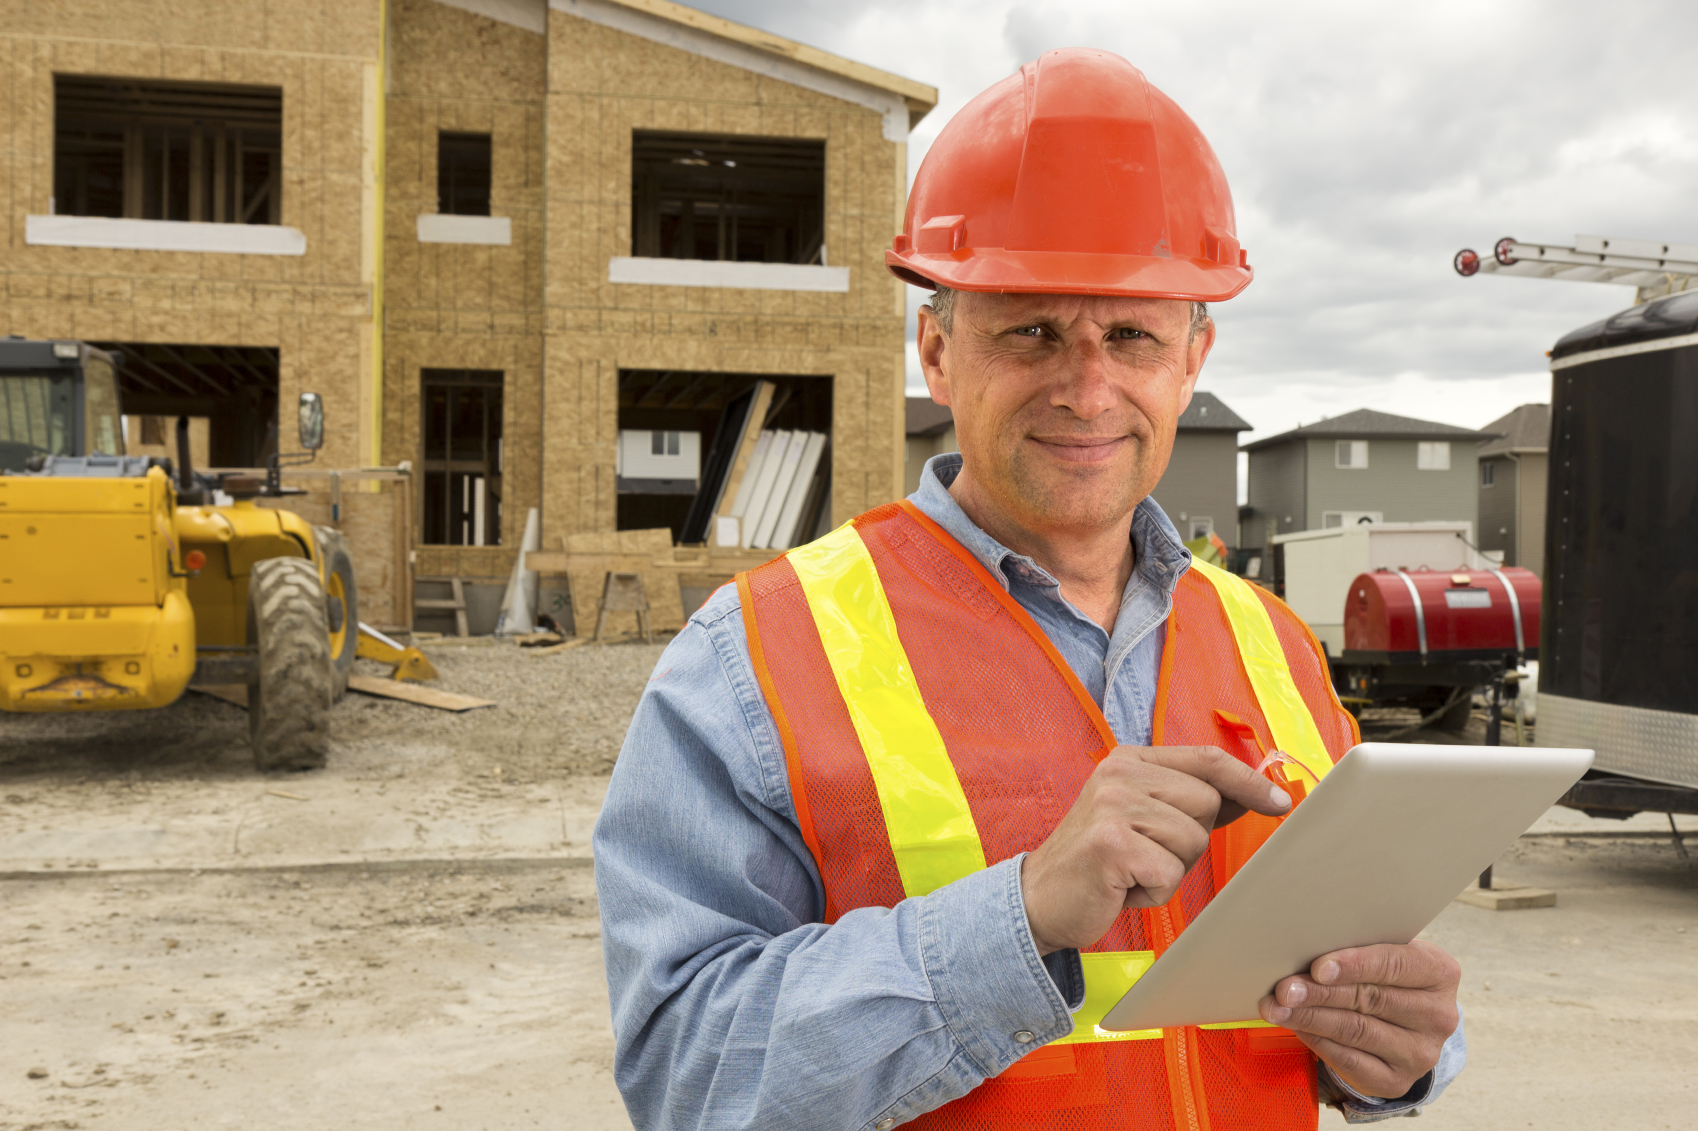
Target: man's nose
x,y
1083,383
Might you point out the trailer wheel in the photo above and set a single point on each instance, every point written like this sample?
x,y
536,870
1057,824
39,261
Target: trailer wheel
x,y
341,602
289,705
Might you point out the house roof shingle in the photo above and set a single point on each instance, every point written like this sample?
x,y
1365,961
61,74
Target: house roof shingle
x,y
1208,413
1366,424
1525,429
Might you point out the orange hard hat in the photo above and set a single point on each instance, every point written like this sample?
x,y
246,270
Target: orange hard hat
x,y
1075,176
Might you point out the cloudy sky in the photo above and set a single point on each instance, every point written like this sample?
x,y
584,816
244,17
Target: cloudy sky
x,y
1365,144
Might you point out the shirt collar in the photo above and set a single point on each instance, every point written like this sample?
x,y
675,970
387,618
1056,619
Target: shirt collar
x,y
1161,557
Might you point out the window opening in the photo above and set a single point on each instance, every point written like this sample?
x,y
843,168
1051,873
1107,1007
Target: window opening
x,y
701,196
462,462
1488,473
463,166
1351,455
148,150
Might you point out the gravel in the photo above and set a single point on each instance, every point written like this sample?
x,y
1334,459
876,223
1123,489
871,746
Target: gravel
x,y
555,716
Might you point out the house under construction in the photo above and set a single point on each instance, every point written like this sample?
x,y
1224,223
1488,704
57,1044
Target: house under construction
x,y
508,241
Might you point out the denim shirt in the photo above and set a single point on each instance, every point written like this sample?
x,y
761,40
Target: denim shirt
x,y
734,1006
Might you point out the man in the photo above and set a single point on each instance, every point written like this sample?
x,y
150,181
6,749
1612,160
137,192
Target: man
x,y
901,815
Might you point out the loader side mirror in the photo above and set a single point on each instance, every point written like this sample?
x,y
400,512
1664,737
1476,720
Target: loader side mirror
x,y
312,421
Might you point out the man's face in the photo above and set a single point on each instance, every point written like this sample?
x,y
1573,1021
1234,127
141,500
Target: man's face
x,y
1065,406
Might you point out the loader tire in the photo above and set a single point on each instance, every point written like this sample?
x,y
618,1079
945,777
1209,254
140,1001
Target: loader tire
x,y
341,602
289,705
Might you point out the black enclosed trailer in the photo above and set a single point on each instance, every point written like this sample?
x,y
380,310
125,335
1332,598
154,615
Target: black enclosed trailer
x,y
1620,612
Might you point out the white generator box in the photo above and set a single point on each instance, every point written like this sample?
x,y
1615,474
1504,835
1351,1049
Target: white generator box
x,y
660,455
1321,564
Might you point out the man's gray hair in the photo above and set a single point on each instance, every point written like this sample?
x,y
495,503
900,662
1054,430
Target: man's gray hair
x,y
942,306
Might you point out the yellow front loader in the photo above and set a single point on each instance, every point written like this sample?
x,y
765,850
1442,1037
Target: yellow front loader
x,y
122,584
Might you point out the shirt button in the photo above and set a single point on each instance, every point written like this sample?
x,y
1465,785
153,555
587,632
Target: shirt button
x,y
885,1124
1025,1037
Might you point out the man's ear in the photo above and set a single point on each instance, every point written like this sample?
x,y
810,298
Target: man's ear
x,y
934,349
1196,352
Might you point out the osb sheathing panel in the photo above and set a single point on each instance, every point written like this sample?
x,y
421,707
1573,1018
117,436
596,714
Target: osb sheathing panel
x,y
312,306
320,27
461,306
602,85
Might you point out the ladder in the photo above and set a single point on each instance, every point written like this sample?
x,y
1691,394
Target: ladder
x,y
457,603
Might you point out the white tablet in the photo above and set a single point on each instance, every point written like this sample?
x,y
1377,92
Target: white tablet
x,y
1381,846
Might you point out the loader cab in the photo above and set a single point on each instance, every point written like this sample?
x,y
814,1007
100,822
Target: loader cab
x,y
57,399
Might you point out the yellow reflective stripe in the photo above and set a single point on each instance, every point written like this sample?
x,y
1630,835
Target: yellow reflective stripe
x,y
1293,728
1238,1025
931,827
1108,976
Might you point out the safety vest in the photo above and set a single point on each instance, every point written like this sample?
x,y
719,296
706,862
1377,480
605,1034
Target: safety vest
x,y
931,729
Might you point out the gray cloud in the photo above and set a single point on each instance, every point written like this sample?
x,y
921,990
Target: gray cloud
x,y
1365,144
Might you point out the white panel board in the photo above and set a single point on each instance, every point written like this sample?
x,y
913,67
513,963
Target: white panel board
x,y
163,235
781,485
763,485
784,534
493,230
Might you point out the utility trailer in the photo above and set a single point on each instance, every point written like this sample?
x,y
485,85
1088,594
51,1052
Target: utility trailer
x,y
1620,673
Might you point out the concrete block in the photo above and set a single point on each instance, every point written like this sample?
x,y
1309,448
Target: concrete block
x,y
1507,897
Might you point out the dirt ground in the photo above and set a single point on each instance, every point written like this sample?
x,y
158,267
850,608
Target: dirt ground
x,y
400,940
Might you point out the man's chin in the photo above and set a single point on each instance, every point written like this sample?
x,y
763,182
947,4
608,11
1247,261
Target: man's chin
x,y
1077,502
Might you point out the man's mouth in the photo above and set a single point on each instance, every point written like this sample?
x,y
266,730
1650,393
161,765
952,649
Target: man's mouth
x,y
1081,449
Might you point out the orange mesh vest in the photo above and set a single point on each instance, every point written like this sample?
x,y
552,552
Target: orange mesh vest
x,y
931,728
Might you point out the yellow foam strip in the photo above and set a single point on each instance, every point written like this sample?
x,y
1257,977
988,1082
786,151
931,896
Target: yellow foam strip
x,y
1108,976
1282,704
931,828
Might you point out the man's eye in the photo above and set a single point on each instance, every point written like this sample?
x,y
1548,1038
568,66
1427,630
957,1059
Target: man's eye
x,y
1127,334
1030,331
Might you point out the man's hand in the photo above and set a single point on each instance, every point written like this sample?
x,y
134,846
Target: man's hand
x,y
1141,821
1377,1014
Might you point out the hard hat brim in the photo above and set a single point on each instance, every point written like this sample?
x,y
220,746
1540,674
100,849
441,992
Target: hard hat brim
x,y
999,270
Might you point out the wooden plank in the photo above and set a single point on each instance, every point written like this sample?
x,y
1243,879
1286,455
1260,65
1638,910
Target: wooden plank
x,y
752,428
412,693
235,693
575,642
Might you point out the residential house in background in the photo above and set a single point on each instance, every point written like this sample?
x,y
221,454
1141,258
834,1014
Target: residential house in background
x,y
1199,490
931,431
1513,474
1363,466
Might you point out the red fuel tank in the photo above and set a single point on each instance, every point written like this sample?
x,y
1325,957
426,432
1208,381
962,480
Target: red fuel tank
x,y
1401,615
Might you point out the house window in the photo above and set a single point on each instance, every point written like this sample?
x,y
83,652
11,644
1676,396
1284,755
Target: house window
x,y
150,150
1351,455
1432,455
462,174
1201,526
698,196
462,457
1488,472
